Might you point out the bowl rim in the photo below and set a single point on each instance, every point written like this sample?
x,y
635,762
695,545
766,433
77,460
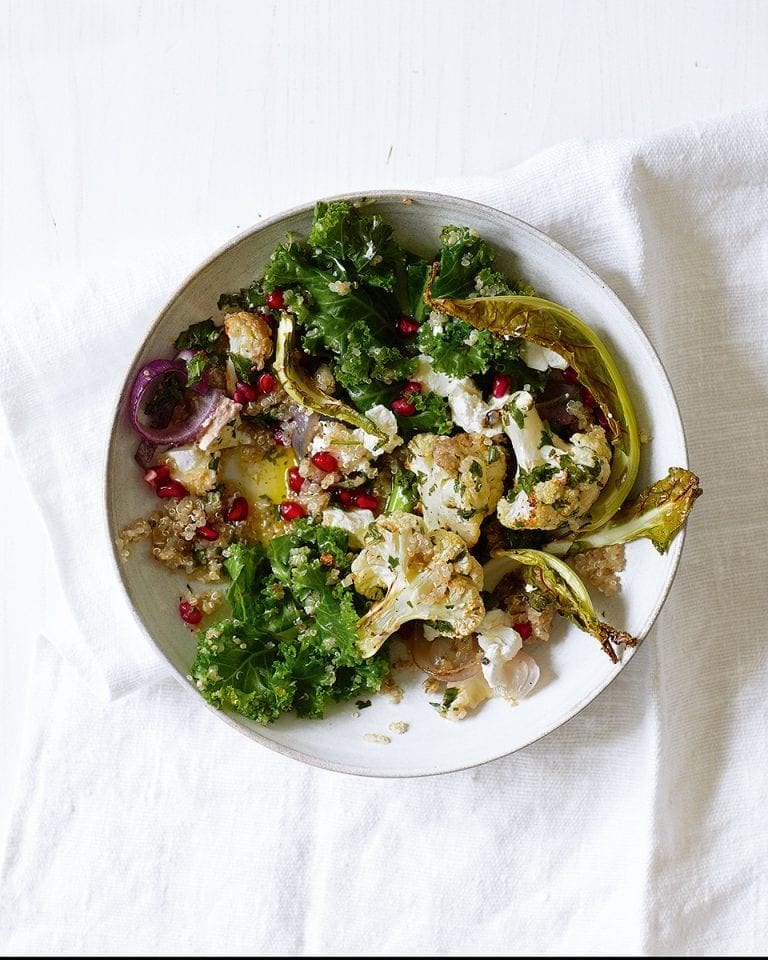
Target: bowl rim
x,y
108,525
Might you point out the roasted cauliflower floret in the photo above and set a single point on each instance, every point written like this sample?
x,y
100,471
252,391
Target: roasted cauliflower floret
x,y
557,482
193,467
459,480
249,336
414,573
469,410
355,522
354,450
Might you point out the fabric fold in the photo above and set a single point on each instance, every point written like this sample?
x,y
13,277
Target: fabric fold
x,y
636,828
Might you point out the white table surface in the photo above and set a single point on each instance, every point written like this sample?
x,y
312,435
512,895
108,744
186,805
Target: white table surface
x,y
124,125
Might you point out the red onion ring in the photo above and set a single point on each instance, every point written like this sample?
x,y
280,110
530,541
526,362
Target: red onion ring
x,y
305,425
145,454
177,433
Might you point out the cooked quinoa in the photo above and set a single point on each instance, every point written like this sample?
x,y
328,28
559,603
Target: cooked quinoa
x,y
602,568
399,727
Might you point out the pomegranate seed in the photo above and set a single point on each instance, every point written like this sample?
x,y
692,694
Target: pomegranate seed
x,y
207,533
413,386
407,326
570,375
587,397
501,385
290,510
237,510
524,628
367,501
325,461
267,383
275,300
603,420
346,498
403,407
245,393
295,479
171,490
278,437
190,614
158,474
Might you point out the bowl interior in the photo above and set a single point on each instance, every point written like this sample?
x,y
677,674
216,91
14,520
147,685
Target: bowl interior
x,y
573,668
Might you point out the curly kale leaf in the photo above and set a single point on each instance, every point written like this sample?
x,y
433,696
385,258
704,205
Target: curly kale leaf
x,y
248,298
366,361
292,557
291,641
354,326
353,246
455,347
198,336
463,254
433,415
316,298
245,566
236,668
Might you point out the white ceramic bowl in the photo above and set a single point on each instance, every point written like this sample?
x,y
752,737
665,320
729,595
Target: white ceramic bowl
x,y
573,668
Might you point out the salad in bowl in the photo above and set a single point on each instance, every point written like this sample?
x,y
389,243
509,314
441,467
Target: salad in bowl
x,y
369,458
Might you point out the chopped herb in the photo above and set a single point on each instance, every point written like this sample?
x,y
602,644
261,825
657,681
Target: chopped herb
x,y
249,299
528,479
242,366
516,413
196,367
448,699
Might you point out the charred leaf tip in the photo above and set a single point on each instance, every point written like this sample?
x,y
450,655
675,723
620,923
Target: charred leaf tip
x,y
608,648
615,640
427,295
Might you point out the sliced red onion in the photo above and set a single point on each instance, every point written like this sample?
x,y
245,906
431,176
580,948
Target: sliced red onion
x,y
145,454
552,405
448,659
176,433
521,674
305,424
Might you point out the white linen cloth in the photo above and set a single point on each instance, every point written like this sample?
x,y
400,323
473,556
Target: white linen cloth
x,y
144,825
